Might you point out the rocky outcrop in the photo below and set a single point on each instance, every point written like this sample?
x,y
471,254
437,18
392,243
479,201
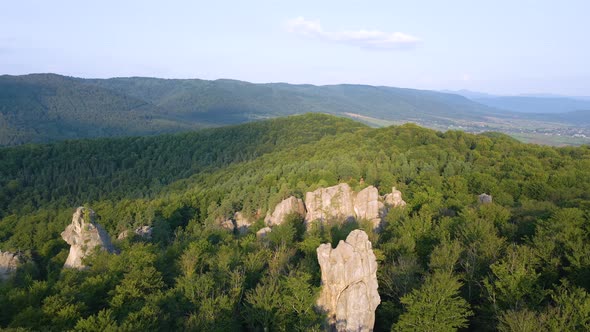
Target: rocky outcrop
x,y
84,236
484,199
394,199
283,209
141,231
368,206
349,294
241,222
332,203
9,262
262,233
342,204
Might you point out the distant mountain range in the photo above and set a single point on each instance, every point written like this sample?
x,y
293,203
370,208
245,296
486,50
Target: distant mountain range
x,y
41,108
529,103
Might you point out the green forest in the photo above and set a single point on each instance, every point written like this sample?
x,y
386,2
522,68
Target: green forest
x,y
445,262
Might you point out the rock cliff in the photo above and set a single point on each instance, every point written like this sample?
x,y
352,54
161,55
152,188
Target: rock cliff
x,y
283,209
349,283
9,262
326,204
368,206
341,203
84,235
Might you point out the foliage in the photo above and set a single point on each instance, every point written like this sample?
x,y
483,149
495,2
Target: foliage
x,y
445,261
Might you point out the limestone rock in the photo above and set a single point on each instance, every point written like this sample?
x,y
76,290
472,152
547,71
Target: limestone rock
x,y
349,283
226,224
263,232
484,199
325,204
394,199
84,235
367,205
143,231
283,209
241,222
9,262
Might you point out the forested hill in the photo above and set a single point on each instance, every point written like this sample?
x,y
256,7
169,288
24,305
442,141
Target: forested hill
x,y
44,108
48,107
523,259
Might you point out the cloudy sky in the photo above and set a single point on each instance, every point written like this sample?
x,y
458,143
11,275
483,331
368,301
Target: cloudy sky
x,y
504,47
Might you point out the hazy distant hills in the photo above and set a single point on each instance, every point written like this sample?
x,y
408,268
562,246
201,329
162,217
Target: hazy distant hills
x,y
528,103
50,107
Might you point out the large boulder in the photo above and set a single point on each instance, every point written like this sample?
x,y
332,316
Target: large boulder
x,y
283,209
241,222
141,231
263,232
484,199
332,203
84,236
394,199
9,262
368,206
349,294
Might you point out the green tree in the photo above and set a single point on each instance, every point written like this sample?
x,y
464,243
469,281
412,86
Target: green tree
x,y
436,306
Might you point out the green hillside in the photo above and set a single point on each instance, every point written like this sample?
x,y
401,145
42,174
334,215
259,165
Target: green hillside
x,y
49,107
43,108
522,260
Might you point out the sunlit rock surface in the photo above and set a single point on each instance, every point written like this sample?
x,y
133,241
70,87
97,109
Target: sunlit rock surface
x,y
349,294
84,236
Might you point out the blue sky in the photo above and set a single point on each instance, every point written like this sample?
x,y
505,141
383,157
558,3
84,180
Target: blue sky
x,y
504,47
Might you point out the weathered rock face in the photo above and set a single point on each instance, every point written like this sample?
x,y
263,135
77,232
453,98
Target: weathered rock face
x,y
335,202
263,232
342,204
484,199
349,283
84,235
394,199
143,231
241,222
367,205
9,262
226,224
283,209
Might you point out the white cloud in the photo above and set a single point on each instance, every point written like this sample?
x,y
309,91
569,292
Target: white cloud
x,y
373,39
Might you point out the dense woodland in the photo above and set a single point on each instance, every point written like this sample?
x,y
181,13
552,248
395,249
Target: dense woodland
x,y
446,262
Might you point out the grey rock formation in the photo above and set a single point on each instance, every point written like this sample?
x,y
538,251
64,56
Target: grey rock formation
x,y
394,199
241,222
84,235
349,294
262,233
226,224
342,204
9,262
484,199
142,231
326,204
368,206
283,209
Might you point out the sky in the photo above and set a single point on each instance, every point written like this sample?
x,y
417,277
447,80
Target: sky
x,y
499,47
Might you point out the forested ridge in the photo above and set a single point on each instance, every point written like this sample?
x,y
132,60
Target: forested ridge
x,y
445,262
40,108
